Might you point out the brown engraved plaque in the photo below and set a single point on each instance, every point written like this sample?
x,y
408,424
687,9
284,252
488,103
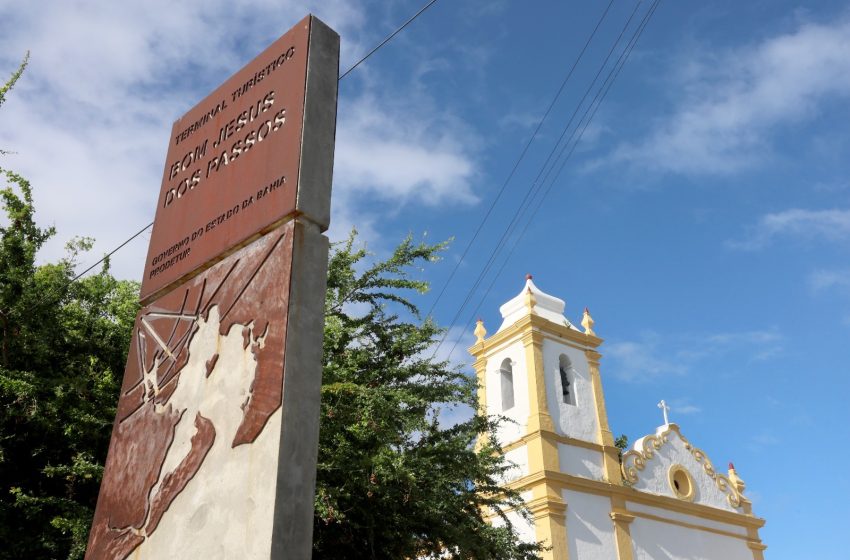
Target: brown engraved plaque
x,y
234,161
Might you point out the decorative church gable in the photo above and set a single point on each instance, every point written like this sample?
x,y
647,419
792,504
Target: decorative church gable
x,y
667,464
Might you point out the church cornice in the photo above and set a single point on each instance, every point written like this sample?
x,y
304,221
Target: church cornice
x,y
537,328
554,437
602,488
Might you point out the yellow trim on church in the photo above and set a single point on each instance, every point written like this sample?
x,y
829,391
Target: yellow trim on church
x,y
545,480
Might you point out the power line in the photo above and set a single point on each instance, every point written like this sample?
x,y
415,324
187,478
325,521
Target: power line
x,y
591,111
606,86
110,253
536,184
346,73
145,228
389,38
519,159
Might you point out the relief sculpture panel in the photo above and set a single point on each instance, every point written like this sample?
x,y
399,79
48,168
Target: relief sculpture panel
x,y
199,409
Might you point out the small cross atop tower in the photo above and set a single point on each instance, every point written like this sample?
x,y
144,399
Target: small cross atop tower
x,y
664,408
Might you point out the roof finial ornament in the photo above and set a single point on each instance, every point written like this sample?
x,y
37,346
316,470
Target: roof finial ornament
x,y
587,323
530,300
664,409
736,480
480,332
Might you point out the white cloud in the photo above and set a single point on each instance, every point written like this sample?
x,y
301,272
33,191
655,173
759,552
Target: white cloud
x,y
766,439
759,345
398,153
642,360
830,225
821,280
91,116
450,416
520,120
732,102
345,216
745,337
654,357
761,441
684,407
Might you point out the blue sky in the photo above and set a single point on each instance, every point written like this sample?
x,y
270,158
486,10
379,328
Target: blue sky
x,y
703,218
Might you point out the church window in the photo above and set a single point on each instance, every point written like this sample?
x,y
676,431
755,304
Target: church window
x,y
565,368
681,483
507,375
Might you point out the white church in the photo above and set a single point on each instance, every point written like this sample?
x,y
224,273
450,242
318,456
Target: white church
x,y
663,501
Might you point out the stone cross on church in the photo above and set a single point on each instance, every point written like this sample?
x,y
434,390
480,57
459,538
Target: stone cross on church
x,y
664,409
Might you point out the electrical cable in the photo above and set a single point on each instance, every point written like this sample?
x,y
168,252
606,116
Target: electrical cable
x,y
346,73
591,110
388,38
519,159
145,228
110,253
535,186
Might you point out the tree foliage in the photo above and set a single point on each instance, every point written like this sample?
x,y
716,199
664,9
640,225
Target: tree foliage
x,y
62,351
393,480
10,83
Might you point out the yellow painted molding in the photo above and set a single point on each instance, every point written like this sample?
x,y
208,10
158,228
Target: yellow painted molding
x,y
480,367
544,327
551,529
610,457
593,357
611,464
538,405
555,437
623,540
548,512
605,435
565,332
542,455
622,533
547,505
755,543
622,517
601,488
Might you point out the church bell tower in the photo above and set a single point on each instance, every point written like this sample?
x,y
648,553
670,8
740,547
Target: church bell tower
x,y
542,372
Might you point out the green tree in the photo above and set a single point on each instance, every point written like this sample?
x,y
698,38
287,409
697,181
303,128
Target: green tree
x,y
393,482
62,351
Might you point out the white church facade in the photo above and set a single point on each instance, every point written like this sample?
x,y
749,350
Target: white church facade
x,y
663,501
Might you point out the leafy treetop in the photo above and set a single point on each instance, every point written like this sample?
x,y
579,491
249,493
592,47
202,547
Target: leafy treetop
x,y
394,481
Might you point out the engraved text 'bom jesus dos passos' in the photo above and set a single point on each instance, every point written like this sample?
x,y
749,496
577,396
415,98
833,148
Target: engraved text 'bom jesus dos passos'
x,y
260,119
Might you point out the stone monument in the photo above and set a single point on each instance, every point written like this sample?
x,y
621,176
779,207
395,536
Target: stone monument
x,y
213,450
